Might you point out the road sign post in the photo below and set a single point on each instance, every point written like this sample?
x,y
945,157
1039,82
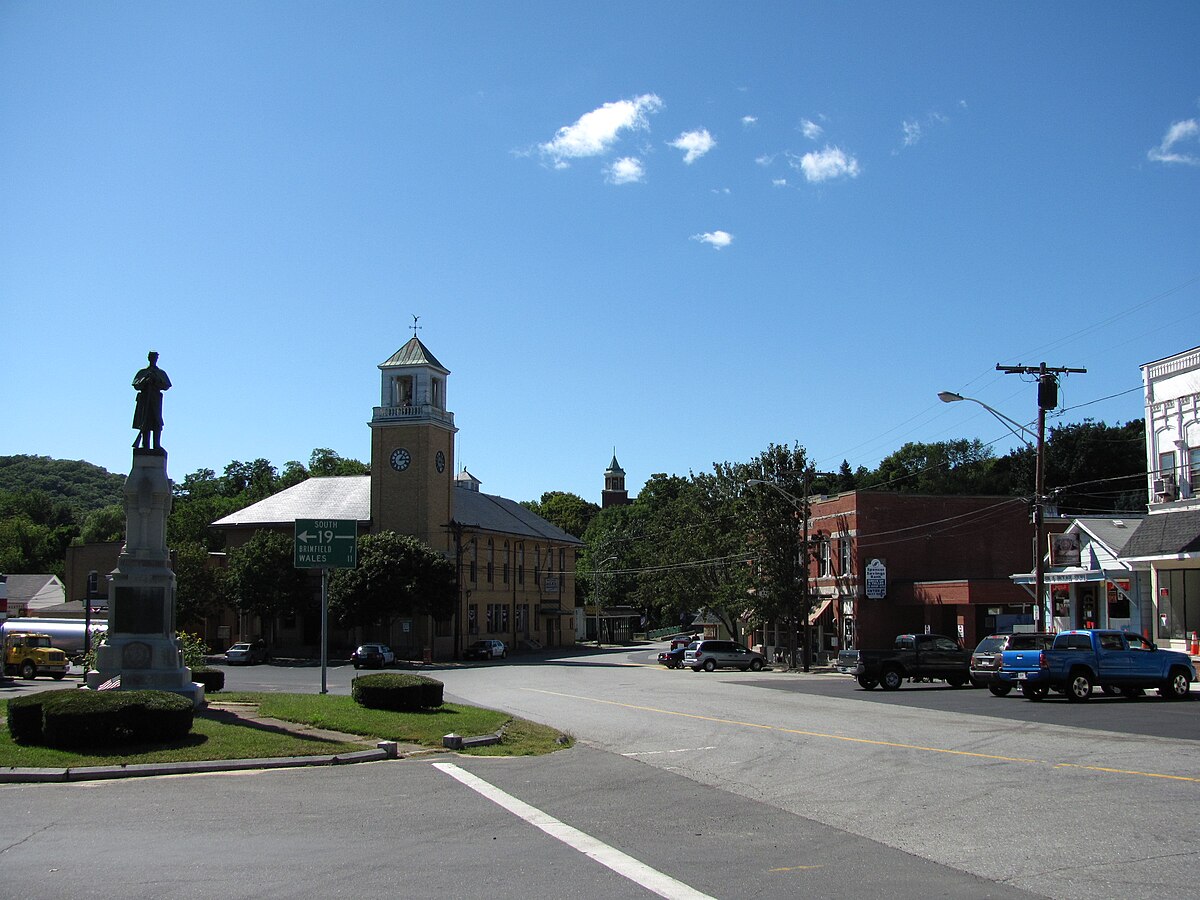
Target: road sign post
x,y
325,544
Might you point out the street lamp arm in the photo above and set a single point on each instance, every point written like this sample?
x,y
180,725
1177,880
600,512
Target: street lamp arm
x,y
1022,433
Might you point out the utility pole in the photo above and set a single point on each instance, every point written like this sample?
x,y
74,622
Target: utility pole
x,y
1047,399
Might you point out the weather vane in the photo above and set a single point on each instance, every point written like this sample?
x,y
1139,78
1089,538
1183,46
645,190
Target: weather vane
x,y
414,326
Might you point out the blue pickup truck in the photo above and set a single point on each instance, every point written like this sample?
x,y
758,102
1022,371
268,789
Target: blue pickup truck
x,y
1116,661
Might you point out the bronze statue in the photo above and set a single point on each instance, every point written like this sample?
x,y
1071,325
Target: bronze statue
x,y
150,383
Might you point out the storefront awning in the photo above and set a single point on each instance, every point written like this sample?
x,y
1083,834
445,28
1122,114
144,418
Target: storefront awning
x,y
1063,575
816,613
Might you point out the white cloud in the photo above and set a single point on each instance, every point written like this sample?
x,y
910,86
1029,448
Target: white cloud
x,y
715,239
912,131
779,182
595,132
765,160
694,144
749,120
626,170
1179,132
830,163
811,129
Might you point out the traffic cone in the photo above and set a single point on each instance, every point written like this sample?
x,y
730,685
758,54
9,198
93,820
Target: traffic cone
x,y
1195,644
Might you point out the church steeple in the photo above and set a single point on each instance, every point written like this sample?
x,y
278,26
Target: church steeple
x,y
614,493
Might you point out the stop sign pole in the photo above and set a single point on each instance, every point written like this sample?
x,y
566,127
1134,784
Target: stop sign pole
x,y
325,544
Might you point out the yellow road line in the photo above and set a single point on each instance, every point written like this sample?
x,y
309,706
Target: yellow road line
x,y
867,741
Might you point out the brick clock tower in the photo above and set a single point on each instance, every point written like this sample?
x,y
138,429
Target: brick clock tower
x,y
412,448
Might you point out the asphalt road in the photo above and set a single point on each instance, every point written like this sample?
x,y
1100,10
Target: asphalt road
x,y
727,784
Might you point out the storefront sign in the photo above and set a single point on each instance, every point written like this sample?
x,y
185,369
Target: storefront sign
x,y
876,580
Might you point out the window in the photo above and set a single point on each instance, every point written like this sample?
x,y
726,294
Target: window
x,y
473,619
1110,642
1194,469
844,555
1137,642
824,562
474,562
521,564
491,561
1166,463
537,565
506,562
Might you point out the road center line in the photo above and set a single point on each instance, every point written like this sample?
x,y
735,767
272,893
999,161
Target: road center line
x,y
857,740
624,865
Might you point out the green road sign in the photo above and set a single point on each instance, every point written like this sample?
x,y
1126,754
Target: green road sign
x,y
326,544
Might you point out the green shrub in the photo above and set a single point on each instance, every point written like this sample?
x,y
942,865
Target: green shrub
x,y
396,691
85,719
25,717
212,679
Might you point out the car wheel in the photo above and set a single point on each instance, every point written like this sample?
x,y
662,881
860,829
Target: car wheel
x,y
28,670
867,684
59,676
504,654
709,665
1177,685
1033,691
891,680
1110,690
756,665
1000,690
1079,687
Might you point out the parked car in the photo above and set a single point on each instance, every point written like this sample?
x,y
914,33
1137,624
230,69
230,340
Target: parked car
x,y
244,653
986,660
1080,660
372,656
710,655
673,658
486,650
913,656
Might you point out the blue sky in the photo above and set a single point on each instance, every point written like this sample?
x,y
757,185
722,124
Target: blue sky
x,y
683,231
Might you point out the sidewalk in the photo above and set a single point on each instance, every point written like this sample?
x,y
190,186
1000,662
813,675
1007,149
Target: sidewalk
x,y
229,713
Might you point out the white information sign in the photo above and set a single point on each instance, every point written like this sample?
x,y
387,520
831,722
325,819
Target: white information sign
x,y
876,580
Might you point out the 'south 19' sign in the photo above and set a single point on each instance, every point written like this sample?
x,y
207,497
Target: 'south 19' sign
x,y
326,544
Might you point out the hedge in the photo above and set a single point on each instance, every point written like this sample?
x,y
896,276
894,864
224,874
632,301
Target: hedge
x,y
396,691
86,719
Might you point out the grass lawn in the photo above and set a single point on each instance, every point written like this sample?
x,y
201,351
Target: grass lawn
x,y
212,739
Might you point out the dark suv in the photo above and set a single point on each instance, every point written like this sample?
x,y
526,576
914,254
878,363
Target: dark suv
x,y
985,660
709,655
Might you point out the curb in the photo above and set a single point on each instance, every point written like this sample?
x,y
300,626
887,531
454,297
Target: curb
x,y
145,770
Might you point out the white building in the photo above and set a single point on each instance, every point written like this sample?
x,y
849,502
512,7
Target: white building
x,y
1167,543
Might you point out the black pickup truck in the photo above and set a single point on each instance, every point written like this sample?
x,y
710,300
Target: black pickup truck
x,y
931,656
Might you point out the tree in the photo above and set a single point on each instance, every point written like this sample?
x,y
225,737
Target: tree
x,y
570,512
397,575
945,467
103,525
324,462
263,581
774,515
199,587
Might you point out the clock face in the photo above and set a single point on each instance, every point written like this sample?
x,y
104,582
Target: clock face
x,y
400,459
440,461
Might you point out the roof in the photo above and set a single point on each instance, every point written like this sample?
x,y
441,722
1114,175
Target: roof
x,y
488,512
614,466
328,497
1165,534
34,591
414,353
349,497
1113,531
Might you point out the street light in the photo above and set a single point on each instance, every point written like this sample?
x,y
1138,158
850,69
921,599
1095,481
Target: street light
x,y
1021,432
1039,516
596,590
